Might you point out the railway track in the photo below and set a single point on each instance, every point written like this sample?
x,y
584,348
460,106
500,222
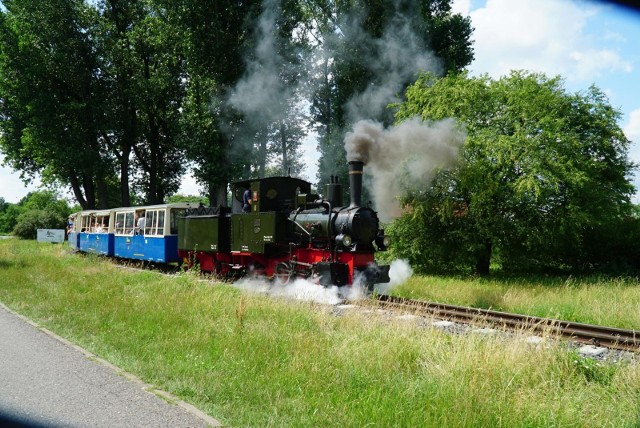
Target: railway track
x,y
614,338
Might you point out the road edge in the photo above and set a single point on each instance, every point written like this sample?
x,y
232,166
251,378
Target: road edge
x,y
172,399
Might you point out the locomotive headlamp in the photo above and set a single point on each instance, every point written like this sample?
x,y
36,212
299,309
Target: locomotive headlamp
x,y
344,240
382,242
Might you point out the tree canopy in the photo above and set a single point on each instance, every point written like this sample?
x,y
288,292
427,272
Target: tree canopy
x,y
542,180
115,99
369,52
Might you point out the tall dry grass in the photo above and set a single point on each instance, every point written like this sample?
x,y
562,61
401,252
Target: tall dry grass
x,y
594,299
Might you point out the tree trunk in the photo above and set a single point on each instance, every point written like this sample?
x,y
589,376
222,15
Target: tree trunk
x,y
103,193
213,196
217,194
483,259
89,192
77,191
221,194
125,193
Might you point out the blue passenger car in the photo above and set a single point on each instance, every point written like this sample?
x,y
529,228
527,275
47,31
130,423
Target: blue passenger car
x,y
96,234
155,238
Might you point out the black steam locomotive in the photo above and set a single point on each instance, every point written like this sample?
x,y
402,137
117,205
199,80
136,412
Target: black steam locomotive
x,y
288,233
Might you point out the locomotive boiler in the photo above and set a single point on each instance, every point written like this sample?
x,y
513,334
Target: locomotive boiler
x,y
288,233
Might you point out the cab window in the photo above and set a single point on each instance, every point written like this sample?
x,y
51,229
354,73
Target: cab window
x,y
176,213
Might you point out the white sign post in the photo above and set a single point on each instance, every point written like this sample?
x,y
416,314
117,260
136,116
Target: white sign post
x,y
51,235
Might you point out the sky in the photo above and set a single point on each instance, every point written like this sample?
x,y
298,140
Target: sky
x,y
585,42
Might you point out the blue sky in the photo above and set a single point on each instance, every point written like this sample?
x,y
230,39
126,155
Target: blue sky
x,y
586,42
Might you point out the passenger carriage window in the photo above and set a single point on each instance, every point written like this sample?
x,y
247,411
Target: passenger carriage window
x,y
160,223
124,223
101,224
150,223
86,224
119,224
128,223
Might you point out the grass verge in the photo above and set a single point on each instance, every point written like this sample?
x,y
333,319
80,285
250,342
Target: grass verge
x,y
249,360
594,300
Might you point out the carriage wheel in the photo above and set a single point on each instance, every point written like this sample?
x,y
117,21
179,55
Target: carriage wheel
x,y
283,273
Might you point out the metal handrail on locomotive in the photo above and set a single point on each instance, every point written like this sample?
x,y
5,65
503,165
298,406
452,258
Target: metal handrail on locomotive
x,y
289,232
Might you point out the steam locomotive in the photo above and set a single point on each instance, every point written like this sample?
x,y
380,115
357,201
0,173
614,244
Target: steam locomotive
x,y
288,233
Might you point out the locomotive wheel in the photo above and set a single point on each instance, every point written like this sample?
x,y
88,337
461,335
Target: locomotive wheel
x,y
283,273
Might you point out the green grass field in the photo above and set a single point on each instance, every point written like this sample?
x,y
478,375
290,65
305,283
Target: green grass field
x,y
250,360
612,302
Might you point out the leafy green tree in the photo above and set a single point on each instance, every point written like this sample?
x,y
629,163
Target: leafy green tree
x,y
368,52
543,175
40,210
31,220
8,216
50,102
216,35
144,76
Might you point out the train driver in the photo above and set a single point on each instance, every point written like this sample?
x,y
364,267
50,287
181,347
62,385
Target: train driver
x,y
246,201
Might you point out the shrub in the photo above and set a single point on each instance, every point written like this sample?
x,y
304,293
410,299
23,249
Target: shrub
x,y
32,220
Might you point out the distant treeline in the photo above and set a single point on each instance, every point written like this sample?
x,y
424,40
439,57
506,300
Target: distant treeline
x,y
37,210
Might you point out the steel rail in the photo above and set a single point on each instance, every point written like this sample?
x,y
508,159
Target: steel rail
x,y
614,338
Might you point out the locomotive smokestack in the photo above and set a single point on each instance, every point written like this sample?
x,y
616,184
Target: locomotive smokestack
x,y
355,182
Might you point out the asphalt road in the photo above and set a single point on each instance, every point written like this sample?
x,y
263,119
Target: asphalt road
x,y
47,382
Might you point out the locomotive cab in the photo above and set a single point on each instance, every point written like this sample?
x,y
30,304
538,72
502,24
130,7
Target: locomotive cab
x,y
265,229
270,194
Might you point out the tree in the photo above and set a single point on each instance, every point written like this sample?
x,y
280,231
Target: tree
x,y
270,93
145,77
8,216
50,100
368,52
542,172
39,210
215,34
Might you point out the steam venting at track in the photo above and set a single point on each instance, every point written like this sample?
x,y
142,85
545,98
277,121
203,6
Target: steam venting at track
x,y
403,157
303,290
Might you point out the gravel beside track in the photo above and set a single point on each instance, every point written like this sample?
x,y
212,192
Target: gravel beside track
x,y
480,325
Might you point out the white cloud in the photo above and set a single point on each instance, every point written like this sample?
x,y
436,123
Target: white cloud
x,y
541,35
461,6
632,131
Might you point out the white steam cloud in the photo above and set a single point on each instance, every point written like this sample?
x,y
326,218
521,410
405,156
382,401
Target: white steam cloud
x,y
404,155
397,58
262,94
303,290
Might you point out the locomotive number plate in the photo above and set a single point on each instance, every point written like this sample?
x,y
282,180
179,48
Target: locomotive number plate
x,y
267,238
